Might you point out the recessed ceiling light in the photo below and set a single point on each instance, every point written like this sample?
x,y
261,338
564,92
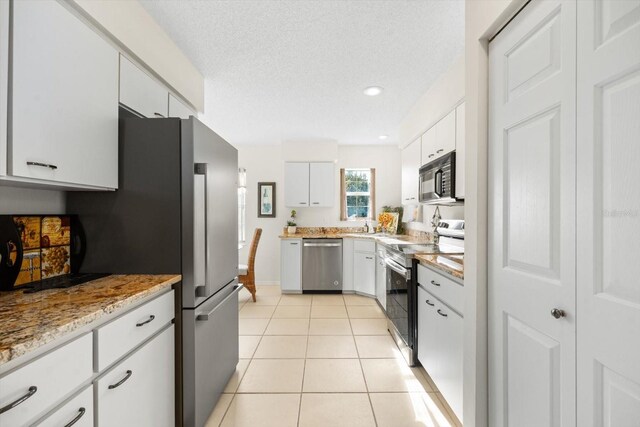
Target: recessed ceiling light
x,y
373,90
383,136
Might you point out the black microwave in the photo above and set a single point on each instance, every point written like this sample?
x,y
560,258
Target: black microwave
x,y
438,181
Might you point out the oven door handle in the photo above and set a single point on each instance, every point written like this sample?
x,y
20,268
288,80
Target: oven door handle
x,y
397,268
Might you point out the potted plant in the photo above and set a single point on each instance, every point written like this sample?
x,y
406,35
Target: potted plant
x,y
291,224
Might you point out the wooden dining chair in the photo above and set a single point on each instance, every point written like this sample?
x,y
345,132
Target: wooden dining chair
x,y
246,273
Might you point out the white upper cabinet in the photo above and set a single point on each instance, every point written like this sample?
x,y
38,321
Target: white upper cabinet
x,y
309,184
140,92
321,183
178,109
440,139
296,184
460,150
410,168
64,107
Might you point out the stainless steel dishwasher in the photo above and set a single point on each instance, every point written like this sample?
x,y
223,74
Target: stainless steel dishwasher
x,y
322,265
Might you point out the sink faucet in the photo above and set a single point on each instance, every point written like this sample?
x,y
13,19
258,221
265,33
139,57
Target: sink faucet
x,y
435,221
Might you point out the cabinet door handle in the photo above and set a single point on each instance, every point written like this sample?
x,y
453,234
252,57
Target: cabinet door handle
x,y
158,115
441,313
119,383
434,283
316,203
440,151
303,203
149,320
429,303
431,155
81,412
293,243
44,165
31,392
368,257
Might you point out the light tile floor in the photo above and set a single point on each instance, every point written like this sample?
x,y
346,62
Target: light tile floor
x,y
323,361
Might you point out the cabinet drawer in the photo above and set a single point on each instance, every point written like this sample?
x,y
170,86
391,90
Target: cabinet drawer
x,y
120,336
78,409
364,246
450,292
47,379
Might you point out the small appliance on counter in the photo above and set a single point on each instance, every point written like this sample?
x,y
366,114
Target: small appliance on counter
x,y
39,252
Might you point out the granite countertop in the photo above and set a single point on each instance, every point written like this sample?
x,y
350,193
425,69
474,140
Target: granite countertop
x,y
355,235
450,264
29,321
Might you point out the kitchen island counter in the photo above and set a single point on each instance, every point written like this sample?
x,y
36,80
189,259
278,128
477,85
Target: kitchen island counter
x,y
29,321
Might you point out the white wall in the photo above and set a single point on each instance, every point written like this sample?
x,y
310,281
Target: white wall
x,y
482,19
266,164
14,200
442,97
129,24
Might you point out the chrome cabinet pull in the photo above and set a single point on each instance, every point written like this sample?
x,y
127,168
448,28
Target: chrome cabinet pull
x,y
149,320
557,313
439,151
81,412
441,313
294,243
44,165
431,155
158,115
434,283
119,383
429,303
303,203
31,392
316,203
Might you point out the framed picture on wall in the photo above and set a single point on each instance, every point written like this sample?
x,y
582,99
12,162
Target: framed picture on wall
x,y
266,200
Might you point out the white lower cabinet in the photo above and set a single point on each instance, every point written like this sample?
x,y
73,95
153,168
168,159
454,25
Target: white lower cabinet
x,y
78,411
138,391
440,347
291,265
364,273
29,392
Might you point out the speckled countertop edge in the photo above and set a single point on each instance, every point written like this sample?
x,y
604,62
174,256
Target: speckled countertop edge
x,y
437,261
30,321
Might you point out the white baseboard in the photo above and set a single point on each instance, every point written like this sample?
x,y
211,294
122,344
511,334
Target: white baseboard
x,y
267,283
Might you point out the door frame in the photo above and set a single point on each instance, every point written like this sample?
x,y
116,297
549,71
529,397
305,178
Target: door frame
x,y
483,20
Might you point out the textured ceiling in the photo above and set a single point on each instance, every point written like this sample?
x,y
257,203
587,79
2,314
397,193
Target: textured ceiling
x,y
295,70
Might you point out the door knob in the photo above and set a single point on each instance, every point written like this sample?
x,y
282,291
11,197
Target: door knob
x,y
557,313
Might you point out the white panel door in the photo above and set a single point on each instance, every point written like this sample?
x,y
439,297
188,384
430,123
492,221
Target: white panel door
x,y
608,220
532,218
64,121
321,184
296,185
410,172
178,109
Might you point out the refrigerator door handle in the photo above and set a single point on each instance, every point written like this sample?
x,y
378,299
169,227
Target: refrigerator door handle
x,y
200,241
205,316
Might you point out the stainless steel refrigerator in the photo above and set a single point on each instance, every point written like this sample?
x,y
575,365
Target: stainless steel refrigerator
x,y
175,211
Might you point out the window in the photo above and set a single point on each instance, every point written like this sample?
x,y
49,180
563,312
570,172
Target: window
x,y
357,194
242,206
